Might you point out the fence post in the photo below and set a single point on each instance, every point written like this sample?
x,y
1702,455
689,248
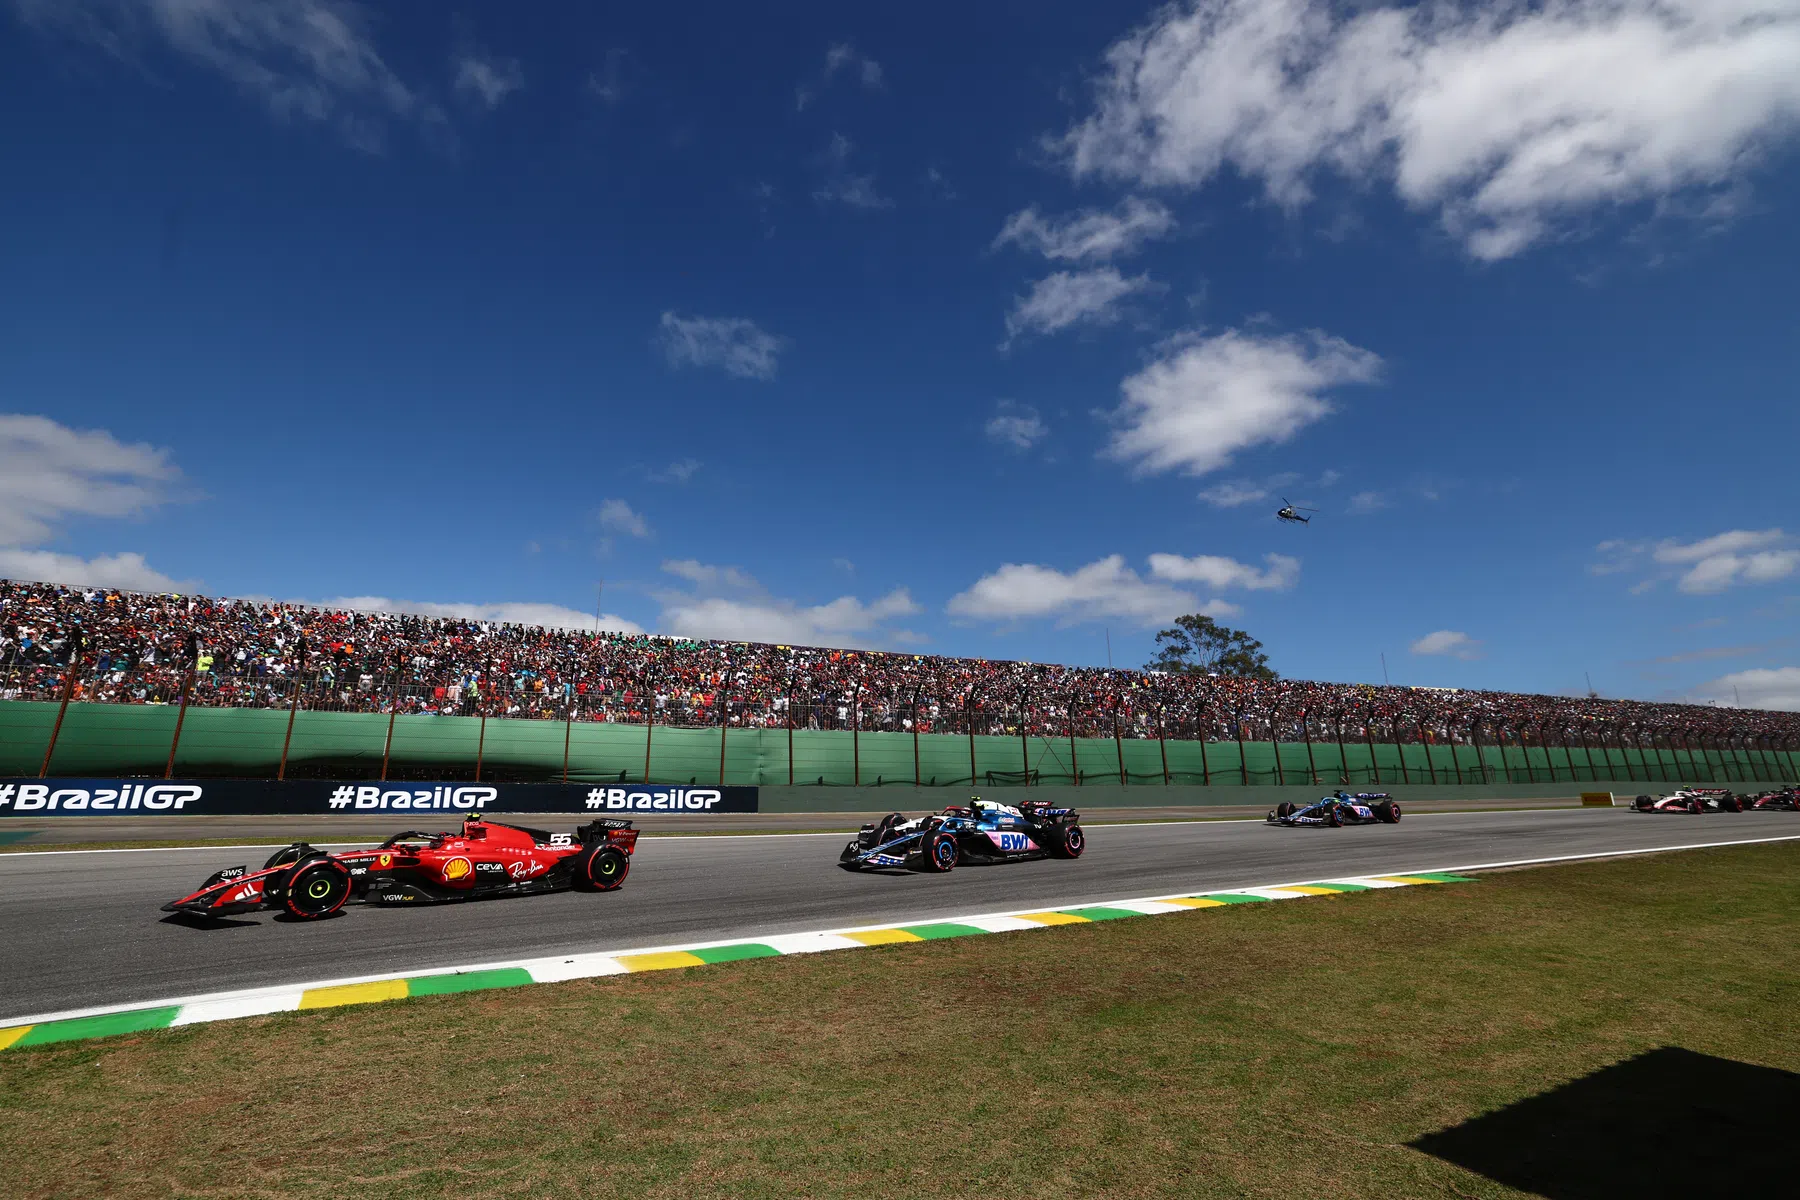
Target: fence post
x,y
1405,774
1369,739
915,724
855,735
293,704
1588,752
1243,762
649,727
1162,744
724,720
1430,767
75,640
790,728
1069,725
1275,744
481,744
1118,742
1312,767
969,715
1568,756
387,747
187,683
1205,770
1024,743
568,723
1544,741
1788,749
1337,727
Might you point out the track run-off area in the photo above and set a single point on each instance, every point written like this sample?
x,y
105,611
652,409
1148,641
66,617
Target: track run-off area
x,y
83,929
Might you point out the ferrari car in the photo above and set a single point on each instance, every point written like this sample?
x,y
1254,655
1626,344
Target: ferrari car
x,y
485,859
1691,800
978,833
1781,798
1339,808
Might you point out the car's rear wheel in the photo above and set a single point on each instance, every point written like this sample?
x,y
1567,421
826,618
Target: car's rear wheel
x,y
316,888
938,852
600,868
1388,812
1731,803
1066,841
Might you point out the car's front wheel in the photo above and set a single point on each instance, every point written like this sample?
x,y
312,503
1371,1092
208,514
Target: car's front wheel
x,y
938,852
316,888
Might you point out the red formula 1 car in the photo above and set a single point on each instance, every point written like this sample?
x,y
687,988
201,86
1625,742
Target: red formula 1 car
x,y
485,859
1781,798
1691,800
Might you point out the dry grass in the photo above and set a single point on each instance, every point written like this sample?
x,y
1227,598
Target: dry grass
x,y
1261,1050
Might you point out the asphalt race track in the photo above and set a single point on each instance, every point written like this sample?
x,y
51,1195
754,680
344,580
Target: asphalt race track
x,y
84,929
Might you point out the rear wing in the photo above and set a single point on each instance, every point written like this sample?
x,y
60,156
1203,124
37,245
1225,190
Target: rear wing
x,y
615,830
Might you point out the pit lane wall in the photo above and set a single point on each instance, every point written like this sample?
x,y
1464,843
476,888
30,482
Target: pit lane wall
x,y
117,740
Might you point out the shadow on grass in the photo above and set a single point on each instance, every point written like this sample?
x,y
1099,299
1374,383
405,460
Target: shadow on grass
x,y
1667,1123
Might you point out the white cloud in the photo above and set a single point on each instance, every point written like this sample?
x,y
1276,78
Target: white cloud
x,y
842,56
844,186
1017,425
618,517
676,472
1206,398
1072,298
1090,235
1707,566
49,473
516,612
1448,641
486,80
1234,493
1510,122
734,344
1103,589
1775,688
306,60
1219,573
729,604
1364,503
127,571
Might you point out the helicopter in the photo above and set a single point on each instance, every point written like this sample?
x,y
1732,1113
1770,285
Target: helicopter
x,y
1287,512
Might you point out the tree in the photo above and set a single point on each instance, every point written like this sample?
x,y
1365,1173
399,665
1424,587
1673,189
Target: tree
x,y
1201,646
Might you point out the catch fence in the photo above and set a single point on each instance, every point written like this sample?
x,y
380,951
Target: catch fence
x,y
187,721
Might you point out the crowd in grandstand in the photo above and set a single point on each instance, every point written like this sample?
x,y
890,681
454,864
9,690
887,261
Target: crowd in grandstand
x,y
138,648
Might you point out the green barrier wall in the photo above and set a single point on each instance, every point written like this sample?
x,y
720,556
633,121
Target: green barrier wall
x,y
107,739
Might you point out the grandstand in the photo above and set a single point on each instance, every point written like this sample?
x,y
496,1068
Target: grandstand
x,y
119,682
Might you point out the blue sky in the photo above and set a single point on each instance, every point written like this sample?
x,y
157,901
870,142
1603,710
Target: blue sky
x,y
995,330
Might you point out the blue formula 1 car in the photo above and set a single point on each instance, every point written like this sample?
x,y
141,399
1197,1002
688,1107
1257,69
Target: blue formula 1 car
x,y
979,833
1340,808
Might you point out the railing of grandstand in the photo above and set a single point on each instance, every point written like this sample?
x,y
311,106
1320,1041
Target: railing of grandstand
x,y
1061,733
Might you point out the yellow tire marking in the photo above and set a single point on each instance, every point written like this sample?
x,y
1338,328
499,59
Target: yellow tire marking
x,y
1407,879
354,993
882,937
1309,890
1197,902
9,1036
1054,918
667,960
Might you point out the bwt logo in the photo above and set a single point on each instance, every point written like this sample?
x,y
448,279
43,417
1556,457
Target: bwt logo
x,y
382,799
42,797
662,800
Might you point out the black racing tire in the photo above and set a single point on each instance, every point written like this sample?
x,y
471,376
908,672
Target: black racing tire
x,y
938,852
884,828
1643,804
1388,812
1284,809
1066,841
1334,817
291,853
1730,803
315,888
601,867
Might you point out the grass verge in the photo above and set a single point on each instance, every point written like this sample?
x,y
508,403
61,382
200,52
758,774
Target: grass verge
x,y
1255,1050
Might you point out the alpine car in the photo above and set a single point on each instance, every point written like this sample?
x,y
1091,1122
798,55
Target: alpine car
x,y
485,859
979,833
1339,808
1690,800
1781,798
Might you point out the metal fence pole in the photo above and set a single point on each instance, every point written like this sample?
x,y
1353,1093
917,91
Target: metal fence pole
x,y
1405,774
855,736
1275,744
1430,767
1369,738
1163,745
1205,770
1312,767
969,714
1544,741
1588,752
790,728
724,720
1337,727
69,671
481,744
187,682
387,747
915,725
1118,743
649,728
1024,744
1069,726
293,705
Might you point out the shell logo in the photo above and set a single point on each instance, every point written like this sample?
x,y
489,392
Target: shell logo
x,y
456,868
